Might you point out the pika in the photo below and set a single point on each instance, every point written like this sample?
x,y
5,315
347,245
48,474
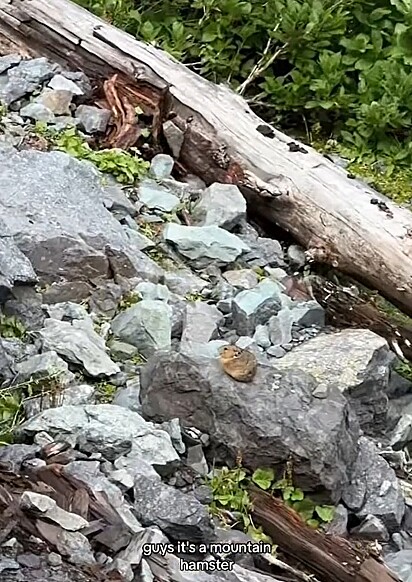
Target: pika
x,y
239,364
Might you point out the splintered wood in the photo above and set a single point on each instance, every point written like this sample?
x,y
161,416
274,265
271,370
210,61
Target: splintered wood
x,y
327,557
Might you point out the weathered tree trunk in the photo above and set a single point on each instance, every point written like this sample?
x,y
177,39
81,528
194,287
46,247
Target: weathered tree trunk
x,y
327,557
304,193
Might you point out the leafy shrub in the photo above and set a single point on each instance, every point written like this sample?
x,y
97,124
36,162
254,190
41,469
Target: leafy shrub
x,y
126,167
337,67
230,494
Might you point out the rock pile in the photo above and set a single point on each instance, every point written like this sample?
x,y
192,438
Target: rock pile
x,y
120,299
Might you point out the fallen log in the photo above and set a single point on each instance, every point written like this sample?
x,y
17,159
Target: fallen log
x,y
300,191
327,557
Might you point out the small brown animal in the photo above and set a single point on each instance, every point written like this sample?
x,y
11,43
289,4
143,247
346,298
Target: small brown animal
x,y
239,364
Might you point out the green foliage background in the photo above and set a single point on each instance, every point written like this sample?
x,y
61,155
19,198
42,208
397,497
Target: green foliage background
x,y
341,69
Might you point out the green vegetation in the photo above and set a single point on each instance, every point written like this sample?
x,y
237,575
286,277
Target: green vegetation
x,y
336,69
194,296
229,488
404,369
11,327
230,496
160,257
12,401
126,167
128,300
105,392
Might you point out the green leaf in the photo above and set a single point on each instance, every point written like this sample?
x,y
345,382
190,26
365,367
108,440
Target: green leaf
x,y
297,495
263,478
325,512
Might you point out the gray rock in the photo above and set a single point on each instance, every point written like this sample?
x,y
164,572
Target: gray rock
x,y
8,61
277,352
15,267
255,307
25,78
67,311
174,137
8,564
280,327
241,278
26,305
401,564
371,529
339,524
89,474
54,559
148,290
180,516
129,395
57,218
264,252
261,336
133,464
56,101
31,501
172,427
161,166
233,536
13,350
157,197
38,112
206,350
42,367
105,428
296,256
105,299
401,435
146,325
14,455
81,81
200,322
204,245
29,560
308,313
80,344
355,361
62,83
184,282
76,547
374,488
276,416
221,205
93,119
196,460
117,202
121,351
